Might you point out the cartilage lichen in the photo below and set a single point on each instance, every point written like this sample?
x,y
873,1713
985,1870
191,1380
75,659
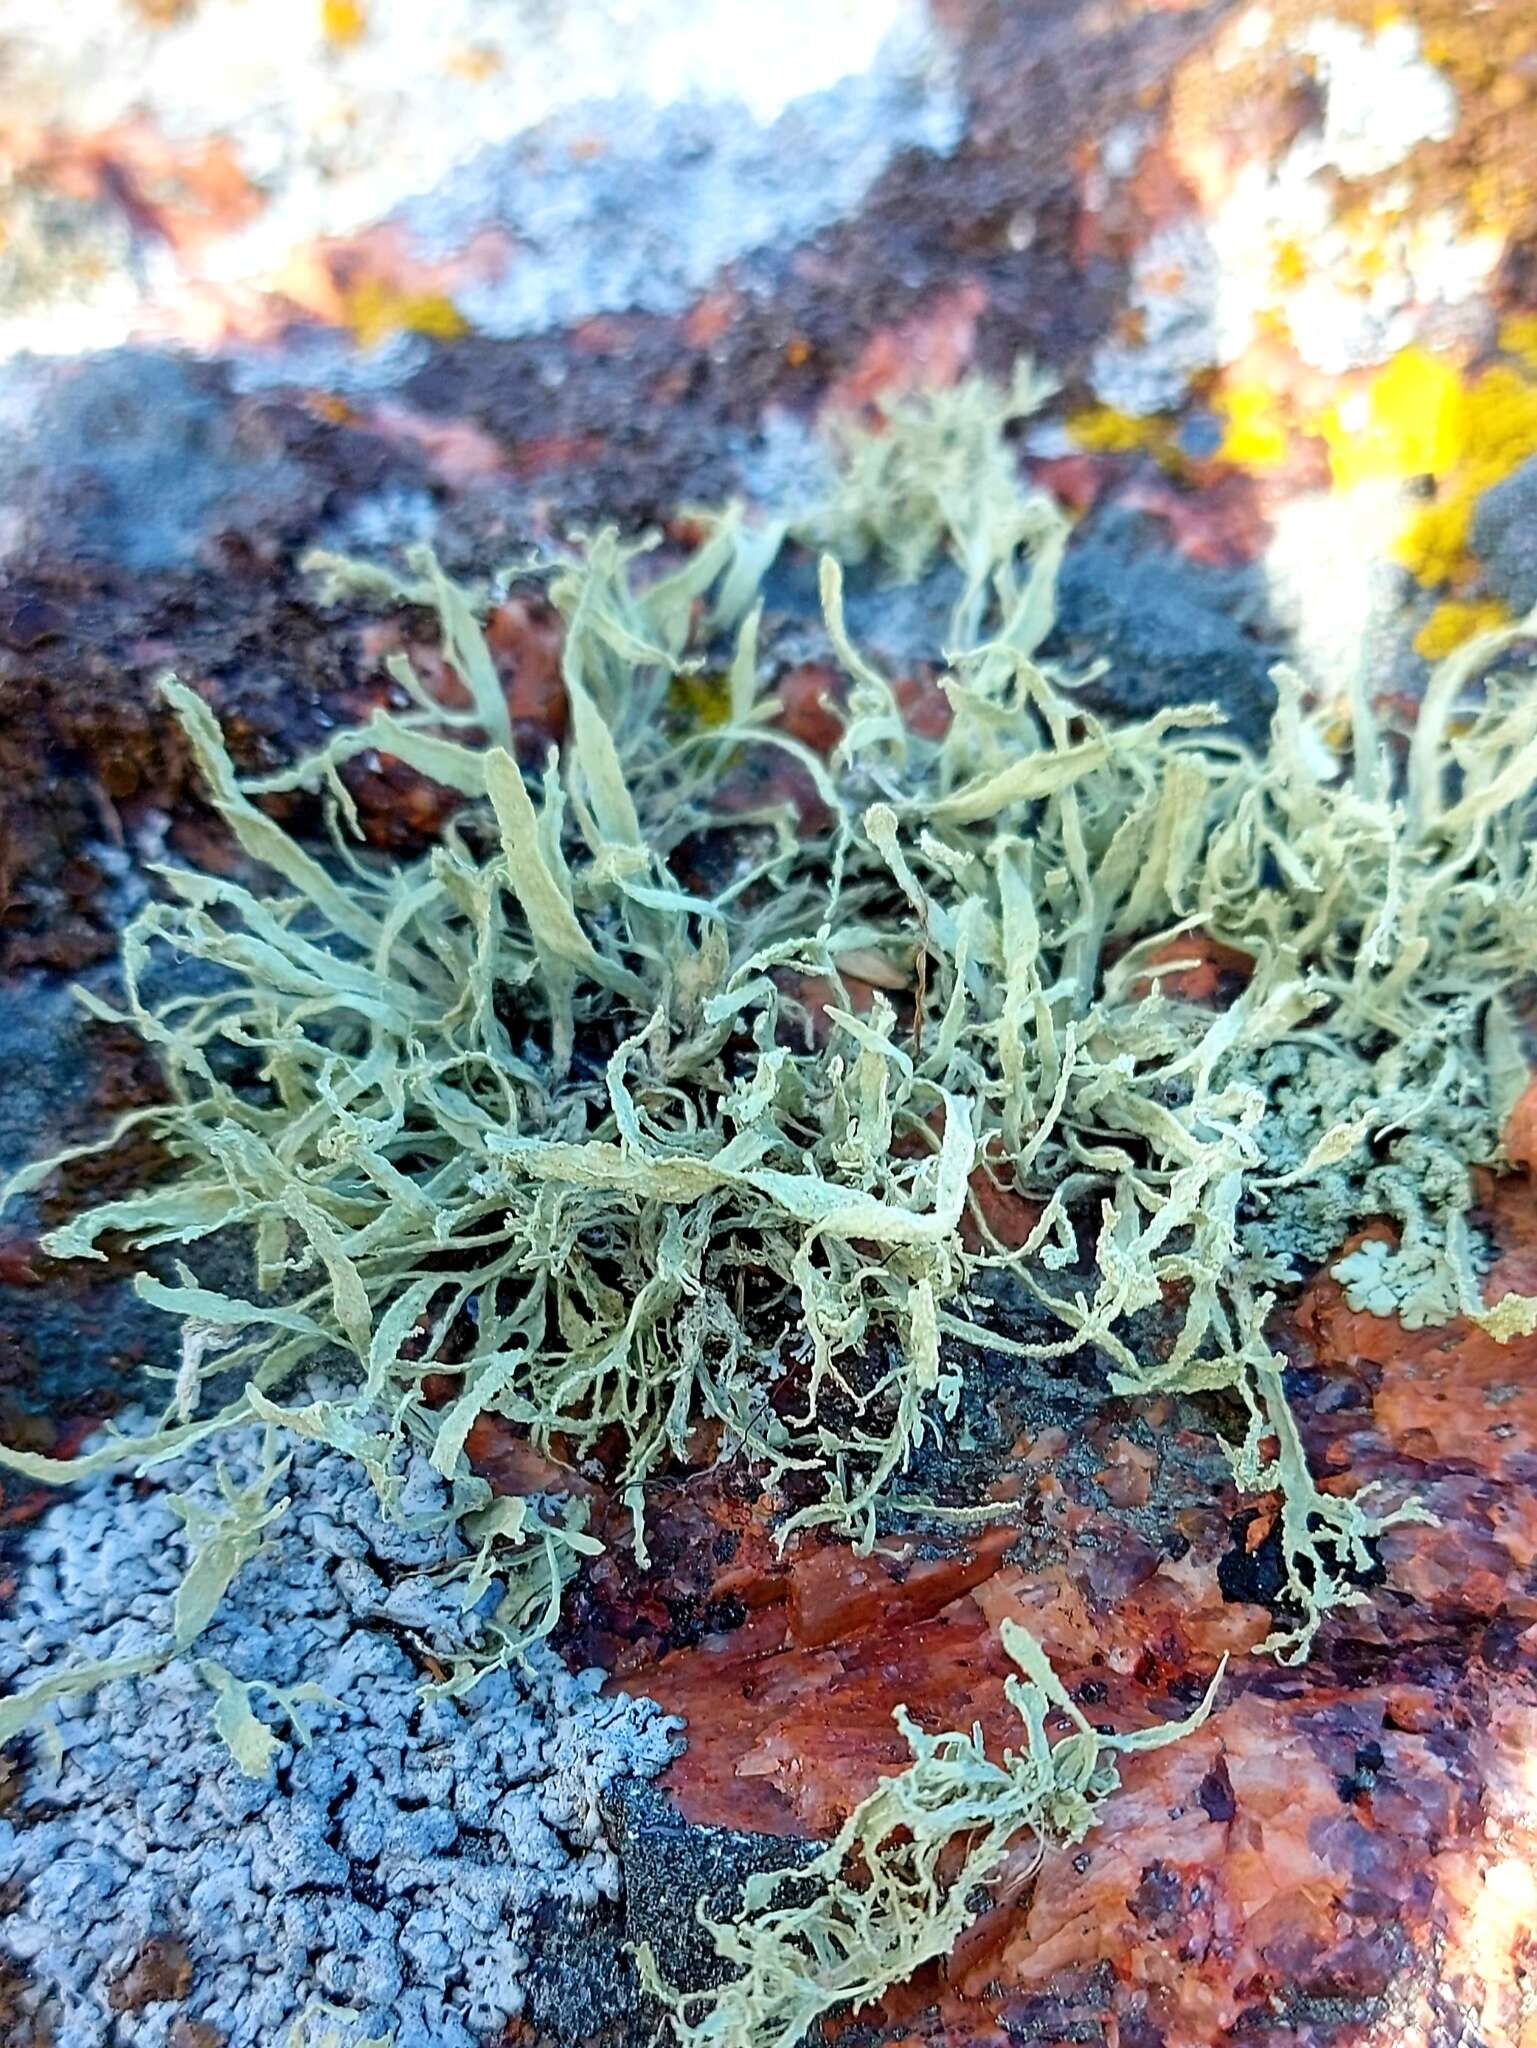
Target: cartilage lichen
x,y
531,1114
920,1845
541,1118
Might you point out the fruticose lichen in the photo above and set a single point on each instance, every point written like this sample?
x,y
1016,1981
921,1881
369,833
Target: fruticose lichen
x,y
337,1857
548,1124
921,1844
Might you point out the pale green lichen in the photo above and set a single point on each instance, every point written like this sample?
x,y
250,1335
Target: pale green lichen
x,y
936,480
322,2025
543,1126
1417,1285
426,1136
240,1728
899,1882
221,1540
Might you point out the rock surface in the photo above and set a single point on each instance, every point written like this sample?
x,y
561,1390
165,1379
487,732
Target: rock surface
x,y
385,292
1344,1853
394,1857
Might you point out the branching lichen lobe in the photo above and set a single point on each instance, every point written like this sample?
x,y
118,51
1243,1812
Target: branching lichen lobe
x,y
919,1846
534,1118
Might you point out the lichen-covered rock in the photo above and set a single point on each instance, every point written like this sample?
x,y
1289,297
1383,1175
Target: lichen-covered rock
x,y
1342,1856
1503,537
392,1864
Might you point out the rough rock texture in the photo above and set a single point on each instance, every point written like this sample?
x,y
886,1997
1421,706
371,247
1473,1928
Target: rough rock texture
x,y
1503,531
395,1864
1343,1854
1242,217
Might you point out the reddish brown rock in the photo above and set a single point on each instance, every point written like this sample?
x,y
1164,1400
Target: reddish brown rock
x,y
1204,969
928,349
1345,1853
161,1970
